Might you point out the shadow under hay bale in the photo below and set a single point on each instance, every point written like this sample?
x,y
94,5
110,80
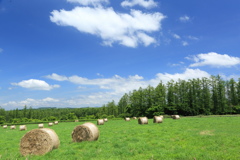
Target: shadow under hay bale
x,y
142,120
100,122
39,142
157,119
85,132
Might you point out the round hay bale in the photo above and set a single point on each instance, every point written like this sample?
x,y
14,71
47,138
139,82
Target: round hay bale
x,y
127,119
134,118
56,122
41,125
22,127
100,122
39,142
4,126
85,132
50,124
157,119
12,127
105,119
175,116
76,120
142,120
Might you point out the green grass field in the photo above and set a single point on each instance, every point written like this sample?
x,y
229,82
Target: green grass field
x,y
208,138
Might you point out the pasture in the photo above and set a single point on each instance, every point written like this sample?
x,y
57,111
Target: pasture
x,y
190,138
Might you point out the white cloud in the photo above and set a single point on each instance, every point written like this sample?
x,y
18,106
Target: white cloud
x,y
1,50
214,59
112,27
184,18
143,3
184,43
35,84
176,36
110,89
46,102
89,2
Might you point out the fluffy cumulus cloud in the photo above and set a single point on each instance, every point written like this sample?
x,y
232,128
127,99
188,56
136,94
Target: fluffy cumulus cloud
x,y
142,3
214,59
89,2
128,29
35,84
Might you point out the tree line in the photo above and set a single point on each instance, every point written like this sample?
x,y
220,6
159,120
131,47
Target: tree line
x,y
201,96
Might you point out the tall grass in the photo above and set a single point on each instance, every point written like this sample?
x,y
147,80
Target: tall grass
x,y
188,138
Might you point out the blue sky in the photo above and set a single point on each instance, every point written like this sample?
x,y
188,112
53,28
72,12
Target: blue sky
x,y
80,53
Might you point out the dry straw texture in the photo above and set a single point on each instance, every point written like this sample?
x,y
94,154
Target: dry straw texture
x,y
85,132
175,116
142,120
127,119
105,119
22,127
41,125
39,142
100,122
157,119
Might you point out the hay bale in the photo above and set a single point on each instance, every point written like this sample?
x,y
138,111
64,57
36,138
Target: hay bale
x,y
157,119
134,118
4,126
100,122
22,127
56,122
50,124
12,127
76,120
142,120
175,116
127,119
39,142
85,132
41,125
105,119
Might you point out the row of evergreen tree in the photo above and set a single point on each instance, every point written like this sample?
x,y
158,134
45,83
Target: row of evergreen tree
x,y
191,97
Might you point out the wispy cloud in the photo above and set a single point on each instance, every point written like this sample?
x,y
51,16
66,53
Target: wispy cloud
x,y
35,84
89,2
1,50
214,59
130,30
143,3
184,18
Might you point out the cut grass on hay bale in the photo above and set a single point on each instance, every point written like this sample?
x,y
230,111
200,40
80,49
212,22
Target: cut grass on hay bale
x,y
85,132
39,142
